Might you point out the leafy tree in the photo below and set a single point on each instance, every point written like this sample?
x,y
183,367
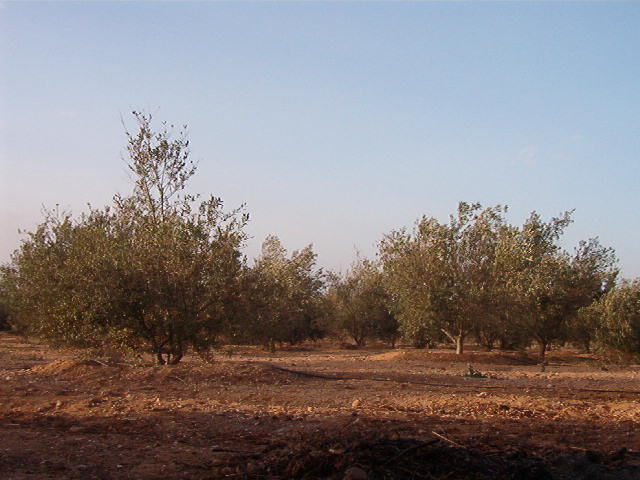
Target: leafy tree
x,y
594,275
619,329
157,271
477,274
286,302
363,307
441,276
548,296
584,325
45,284
554,285
500,305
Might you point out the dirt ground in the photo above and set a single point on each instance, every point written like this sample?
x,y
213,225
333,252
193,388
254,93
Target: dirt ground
x,y
316,412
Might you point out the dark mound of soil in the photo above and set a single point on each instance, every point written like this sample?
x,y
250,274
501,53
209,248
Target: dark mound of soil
x,y
375,459
382,458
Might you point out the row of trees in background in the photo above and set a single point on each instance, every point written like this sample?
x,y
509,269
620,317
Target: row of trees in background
x,y
477,275
162,271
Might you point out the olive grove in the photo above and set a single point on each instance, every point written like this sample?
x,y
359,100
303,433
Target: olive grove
x,y
162,271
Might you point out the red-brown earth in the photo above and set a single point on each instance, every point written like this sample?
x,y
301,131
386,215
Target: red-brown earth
x,y
316,412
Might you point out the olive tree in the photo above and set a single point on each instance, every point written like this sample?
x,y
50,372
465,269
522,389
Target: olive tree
x,y
157,270
498,322
50,281
363,307
441,276
555,285
285,297
595,272
618,331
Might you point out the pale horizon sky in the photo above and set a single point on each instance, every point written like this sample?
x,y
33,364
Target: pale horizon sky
x,y
335,122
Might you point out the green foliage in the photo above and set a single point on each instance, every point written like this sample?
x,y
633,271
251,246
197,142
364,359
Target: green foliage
x,y
552,285
618,333
477,274
363,307
157,271
161,271
442,275
284,299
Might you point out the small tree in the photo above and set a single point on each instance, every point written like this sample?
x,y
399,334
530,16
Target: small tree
x,y
157,271
285,301
619,329
442,275
553,285
363,307
46,285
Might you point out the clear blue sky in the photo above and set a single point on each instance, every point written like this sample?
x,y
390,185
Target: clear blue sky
x,y
334,122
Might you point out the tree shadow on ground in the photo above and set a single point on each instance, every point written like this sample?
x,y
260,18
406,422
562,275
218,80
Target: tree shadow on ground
x,y
197,445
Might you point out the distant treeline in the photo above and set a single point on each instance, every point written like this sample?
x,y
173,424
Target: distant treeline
x,y
162,271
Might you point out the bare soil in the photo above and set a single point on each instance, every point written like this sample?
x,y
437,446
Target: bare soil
x,y
316,412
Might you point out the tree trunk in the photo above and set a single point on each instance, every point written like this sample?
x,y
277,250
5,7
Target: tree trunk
x,y
506,344
175,359
458,340
542,349
360,340
449,336
159,358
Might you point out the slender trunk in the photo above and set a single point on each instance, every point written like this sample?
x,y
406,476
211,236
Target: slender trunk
x,y
271,346
360,340
175,359
542,349
505,344
449,336
159,358
457,340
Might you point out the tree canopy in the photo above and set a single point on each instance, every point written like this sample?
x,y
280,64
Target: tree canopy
x,y
156,270
161,270
479,274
